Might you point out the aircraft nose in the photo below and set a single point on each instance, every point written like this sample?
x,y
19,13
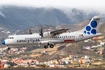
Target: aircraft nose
x,y
3,42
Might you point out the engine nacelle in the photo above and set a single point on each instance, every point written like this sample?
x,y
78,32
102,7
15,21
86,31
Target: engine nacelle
x,y
46,34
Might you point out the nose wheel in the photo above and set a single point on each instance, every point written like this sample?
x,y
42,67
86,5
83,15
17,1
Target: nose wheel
x,y
8,48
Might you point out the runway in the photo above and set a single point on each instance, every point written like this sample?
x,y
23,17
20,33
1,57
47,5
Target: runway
x,y
49,69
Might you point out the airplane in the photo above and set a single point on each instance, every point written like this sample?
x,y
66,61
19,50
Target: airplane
x,y
50,38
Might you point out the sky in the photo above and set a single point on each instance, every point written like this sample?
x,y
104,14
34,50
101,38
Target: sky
x,y
98,5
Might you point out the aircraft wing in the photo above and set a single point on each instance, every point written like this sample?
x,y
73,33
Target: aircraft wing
x,y
57,32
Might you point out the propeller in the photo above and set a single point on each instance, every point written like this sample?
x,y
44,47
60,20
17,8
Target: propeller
x,y
30,31
41,32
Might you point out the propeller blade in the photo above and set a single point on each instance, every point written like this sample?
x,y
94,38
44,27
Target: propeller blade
x,y
41,32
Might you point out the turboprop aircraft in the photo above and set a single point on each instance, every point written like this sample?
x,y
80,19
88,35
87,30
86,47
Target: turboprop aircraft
x,y
50,38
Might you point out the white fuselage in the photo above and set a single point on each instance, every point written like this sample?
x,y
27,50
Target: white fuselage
x,y
35,39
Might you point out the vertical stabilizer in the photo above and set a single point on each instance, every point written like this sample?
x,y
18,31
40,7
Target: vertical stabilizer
x,y
91,27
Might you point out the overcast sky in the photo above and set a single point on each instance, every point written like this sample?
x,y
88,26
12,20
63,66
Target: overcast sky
x,y
98,5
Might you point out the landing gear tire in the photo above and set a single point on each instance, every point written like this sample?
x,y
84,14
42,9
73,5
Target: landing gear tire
x,y
8,48
51,45
45,46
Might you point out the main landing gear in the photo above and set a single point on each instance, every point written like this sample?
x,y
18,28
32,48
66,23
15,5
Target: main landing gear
x,y
48,45
8,48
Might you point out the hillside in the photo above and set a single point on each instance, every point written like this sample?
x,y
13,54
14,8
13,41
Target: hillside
x,y
102,28
64,51
18,18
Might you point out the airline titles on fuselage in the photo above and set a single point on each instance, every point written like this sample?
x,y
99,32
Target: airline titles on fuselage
x,y
29,40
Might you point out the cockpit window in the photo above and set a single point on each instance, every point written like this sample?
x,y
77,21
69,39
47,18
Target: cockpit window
x,y
10,37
